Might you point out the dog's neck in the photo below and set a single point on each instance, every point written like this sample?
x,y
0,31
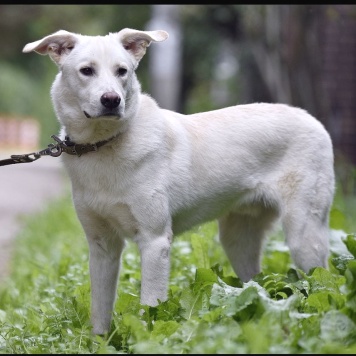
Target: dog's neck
x,y
96,131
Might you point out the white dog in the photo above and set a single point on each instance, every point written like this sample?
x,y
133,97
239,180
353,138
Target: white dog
x,y
155,173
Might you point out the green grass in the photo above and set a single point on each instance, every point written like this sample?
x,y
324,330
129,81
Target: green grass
x,y
44,305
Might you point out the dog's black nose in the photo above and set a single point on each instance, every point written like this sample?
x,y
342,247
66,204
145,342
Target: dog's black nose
x,y
110,100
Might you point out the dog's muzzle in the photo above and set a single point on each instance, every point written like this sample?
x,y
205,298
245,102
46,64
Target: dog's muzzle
x,y
110,102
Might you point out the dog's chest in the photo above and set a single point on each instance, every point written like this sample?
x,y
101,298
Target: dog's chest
x,y
99,181
101,174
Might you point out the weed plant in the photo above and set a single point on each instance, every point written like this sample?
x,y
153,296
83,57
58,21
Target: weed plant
x,y
45,302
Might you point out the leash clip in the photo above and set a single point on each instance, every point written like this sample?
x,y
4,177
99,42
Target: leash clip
x,y
54,150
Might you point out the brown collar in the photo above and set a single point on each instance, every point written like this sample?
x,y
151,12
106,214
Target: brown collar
x,y
77,149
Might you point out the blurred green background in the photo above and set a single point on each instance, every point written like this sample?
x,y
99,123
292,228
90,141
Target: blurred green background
x,y
217,55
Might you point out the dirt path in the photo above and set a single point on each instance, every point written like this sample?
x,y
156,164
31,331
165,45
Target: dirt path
x,y
24,188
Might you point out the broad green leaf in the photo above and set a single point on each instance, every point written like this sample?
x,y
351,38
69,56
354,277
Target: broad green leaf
x,y
168,310
212,315
341,262
337,219
222,294
163,329
350,275
127,302
321,301
337,242
350,243
200,250
230,280
205,276
335,326
193,302
248,305
322,279
136,327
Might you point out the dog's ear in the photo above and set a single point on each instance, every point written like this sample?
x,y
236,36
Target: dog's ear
x,y
57,46
136,41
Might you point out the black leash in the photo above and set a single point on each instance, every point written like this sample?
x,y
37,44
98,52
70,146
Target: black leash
x,y
55,150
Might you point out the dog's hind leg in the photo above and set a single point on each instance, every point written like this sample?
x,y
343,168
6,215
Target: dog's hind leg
x,y
242,236
306,201
307,234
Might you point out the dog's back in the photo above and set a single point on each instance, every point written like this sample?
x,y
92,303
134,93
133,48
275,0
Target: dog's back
x,y
247,154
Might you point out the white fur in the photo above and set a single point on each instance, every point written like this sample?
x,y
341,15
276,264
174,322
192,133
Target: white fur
x,y
245,165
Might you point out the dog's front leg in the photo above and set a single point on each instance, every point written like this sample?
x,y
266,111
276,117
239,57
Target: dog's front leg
x,y
104,263
155,268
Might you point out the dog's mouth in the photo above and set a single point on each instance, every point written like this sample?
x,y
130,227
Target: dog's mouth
x,y
106,114
87,115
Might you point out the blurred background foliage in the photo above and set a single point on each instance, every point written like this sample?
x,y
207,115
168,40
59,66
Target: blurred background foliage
x,y
303,55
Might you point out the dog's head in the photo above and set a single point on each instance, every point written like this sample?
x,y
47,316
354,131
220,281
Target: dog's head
x,y
96,78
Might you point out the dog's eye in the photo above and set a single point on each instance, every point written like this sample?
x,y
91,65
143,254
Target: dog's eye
x,y
121,72
87,71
